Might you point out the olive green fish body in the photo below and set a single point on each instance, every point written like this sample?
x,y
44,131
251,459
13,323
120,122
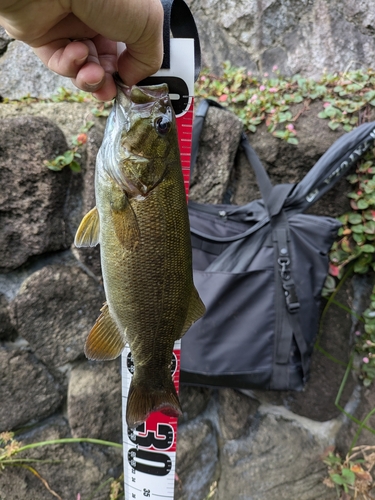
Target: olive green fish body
x,y
141,222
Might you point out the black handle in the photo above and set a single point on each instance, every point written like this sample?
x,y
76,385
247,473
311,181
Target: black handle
x,y
179,20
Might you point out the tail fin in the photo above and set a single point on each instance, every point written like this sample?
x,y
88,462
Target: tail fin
x,y
145,399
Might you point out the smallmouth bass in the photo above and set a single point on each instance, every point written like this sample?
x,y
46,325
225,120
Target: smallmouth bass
x,y
141,222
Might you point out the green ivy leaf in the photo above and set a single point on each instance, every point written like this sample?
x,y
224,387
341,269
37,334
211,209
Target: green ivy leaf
x,y
336,478
68,156
368,248
297,98
74,166
359,238
335,112
347,128
280,133
346,246
353,179
353,196
330,283
368,215
360,267
370,329
348,475
292,140
333,125
369,314
355,218
369,227
362,204
358,228
60,159
369,370
343,218
354,87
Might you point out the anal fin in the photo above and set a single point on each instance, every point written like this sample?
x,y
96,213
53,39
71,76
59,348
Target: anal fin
x,y
88,231
195,311
105,340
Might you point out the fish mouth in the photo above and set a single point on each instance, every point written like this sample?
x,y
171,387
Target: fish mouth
x,y
140,98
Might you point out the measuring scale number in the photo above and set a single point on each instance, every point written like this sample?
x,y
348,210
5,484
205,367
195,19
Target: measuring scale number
x,y
148,461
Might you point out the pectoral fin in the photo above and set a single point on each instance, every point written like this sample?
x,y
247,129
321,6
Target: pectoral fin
x,y
125,222
195,311
88,232
105,340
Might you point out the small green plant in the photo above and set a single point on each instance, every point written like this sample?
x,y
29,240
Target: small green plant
x,y
351,477
69,157
356,246
62,95
263,99
117,489
366,343
102,109
10,448
212,492
356,241
65,95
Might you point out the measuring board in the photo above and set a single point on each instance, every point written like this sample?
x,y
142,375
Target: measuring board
x,y
150,449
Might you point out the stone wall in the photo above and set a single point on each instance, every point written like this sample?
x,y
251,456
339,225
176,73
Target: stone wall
x,y
253,445
299,36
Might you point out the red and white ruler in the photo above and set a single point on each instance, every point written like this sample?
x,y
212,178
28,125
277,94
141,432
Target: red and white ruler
x,y
150,449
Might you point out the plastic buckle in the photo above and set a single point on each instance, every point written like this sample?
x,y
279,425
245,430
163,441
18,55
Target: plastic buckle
x,y
291,298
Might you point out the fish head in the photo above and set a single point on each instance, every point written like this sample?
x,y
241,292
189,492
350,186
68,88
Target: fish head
x,y
144,132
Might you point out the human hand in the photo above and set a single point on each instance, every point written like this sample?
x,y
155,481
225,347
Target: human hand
x,y
77,38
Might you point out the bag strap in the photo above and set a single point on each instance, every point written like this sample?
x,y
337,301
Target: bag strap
x,y
273,196
334,164
263,180
288,320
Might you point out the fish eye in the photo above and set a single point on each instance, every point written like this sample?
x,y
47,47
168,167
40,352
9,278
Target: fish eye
x,y
162,125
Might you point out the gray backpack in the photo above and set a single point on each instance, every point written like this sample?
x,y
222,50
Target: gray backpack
x,y
260,270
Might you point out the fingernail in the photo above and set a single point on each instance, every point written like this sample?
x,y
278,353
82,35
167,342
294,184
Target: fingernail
x,y
92,86
80,61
